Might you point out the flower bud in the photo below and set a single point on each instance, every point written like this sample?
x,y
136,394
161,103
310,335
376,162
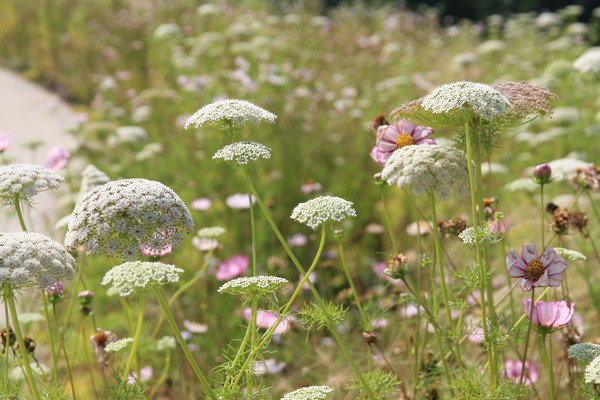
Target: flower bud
x,y
85,297
339,233
542,174
54,293
397,266
377,179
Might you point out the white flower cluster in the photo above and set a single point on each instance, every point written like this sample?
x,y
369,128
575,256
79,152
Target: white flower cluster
x,y
133,275
91,178
324,209
253,285
592,371
440,169
309,393
120,216
570,255
589,62
468,99
242,152
31,258
26,180
116,346
166,343
211,232
230,112
584,351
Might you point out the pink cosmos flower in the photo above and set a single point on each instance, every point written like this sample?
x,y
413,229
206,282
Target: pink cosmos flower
x,y
57,158
514,369
201,204
266,319
392,137
297,240
5,141
239,200
551,314
233,267
533,270
379,323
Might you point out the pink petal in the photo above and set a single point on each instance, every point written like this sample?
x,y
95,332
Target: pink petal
x,y
517,268
529,252
527,307
421,133
565,314
379,157
406,127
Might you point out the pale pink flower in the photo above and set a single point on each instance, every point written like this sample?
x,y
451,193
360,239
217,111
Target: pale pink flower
x,y
5,141
269,366
550,314
266,319
533,270
311,187
514,369
312,278
201,204
379,270
205,244
476,335
239,201
145,374
57,158
379,323
195,327
393,137
297,240
233,267
500,226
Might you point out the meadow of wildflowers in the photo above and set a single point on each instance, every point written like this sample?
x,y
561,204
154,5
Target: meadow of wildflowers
x,y
270,201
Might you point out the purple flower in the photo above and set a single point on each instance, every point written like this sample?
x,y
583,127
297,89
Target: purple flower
x,y
57,158
533,270
514,369
551,314
233,267
542,174
201,204
5,141
393,137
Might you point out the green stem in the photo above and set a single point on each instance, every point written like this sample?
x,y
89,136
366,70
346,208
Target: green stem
x,y
64,349
252,222
186,351
366,322
9,298
543,212
6,345
127,311
388,222
528,334
594,209
136,340
20,212
163,376
87,358
51,338
548,362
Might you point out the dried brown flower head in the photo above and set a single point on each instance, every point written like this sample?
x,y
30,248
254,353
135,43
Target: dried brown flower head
x,y
588,177
563,219
99,341
452,227
369,337
527,99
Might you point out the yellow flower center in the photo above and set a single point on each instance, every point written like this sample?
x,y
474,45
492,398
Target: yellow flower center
x,y
535,268
404,139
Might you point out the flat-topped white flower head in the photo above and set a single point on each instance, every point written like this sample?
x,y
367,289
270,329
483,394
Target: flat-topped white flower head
x,y
227,113
440,169
592,371
120,216
589,62
585,352
28,258
117,346
140,275
25,181
253,285
464,101
243,152
91,178
323,209
309,393
211,232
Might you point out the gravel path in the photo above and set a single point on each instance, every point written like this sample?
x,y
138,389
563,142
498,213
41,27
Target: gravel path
x,y
30,113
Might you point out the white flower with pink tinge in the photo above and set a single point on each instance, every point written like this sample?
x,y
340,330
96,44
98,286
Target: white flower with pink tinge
x,y
393,137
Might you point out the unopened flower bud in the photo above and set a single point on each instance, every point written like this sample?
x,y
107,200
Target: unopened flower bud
x,y
339,233
377,179
369,337
542,174
397,266
54,293
85,297
86,311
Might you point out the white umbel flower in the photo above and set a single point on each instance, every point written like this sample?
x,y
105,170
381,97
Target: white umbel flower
x,y
309,393
28,258
323,209
570,255
211,232
253,285
589,62
135,275
243,152
440,169
467,100
592,371
26,180
230,112
91,178
584,351
117,346
118,217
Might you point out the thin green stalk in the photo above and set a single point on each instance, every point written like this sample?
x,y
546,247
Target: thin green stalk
x,y
252,222
186,351
367,325
20,212
388,222
543,212
592,202
252,328
163,376
61,342
50,338
136,340
9,298
528,334
6,345
549,371
87,358
127,311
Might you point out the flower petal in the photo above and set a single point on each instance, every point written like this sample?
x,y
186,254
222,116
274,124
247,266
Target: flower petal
x,y
517,268
528,252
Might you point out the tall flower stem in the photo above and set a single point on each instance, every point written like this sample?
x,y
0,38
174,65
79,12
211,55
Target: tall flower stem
x,y
527,335
64,350
20,212
9,298
548,362
542,213
7,345
136,340
307,281
50,338
186,351
365,321
252,223
388,222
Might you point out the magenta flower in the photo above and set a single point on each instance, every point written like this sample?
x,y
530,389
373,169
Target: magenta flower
x,y
233,267
57,158
514,368
5,141
542,174
392,137
266,319
551,314
533,270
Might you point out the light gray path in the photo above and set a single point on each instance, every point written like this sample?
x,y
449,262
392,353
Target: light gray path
x,y
28,112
